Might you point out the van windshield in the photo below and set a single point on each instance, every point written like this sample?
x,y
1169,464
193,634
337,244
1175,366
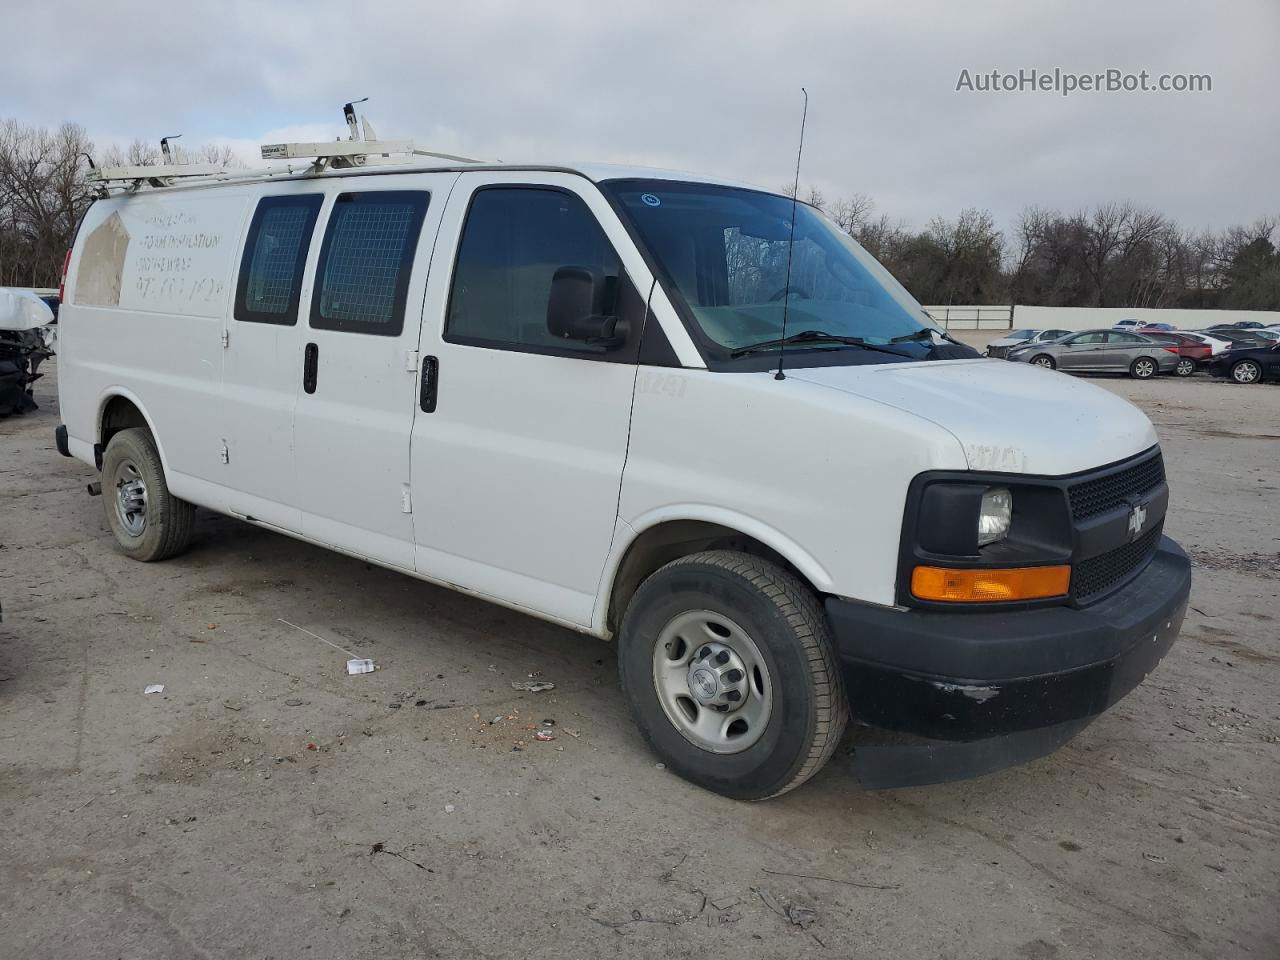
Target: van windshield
x,y
722,254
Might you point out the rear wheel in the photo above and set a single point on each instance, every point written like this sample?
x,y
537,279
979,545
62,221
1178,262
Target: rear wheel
x,y
148,521
1144,368
1186,367
726,661
1043,360
1246,371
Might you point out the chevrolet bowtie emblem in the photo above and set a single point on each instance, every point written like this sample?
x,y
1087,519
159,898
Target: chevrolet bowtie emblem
x,y
1137,520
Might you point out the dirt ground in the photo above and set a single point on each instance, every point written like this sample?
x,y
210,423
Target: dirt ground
x,y
266,804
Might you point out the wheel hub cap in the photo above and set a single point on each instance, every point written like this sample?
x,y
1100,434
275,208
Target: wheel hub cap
x,y
131,498
712,682
717,677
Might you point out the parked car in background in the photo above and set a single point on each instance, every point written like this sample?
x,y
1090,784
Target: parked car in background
x,y
1237,336
1191,351
1216,344
1149,327
26,340
1000,347
1127,325
1101,351
1247,364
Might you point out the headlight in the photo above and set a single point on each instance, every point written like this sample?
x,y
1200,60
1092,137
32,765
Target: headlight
x,y
994,515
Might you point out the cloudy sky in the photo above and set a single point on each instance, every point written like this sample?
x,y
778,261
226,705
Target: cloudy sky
x,y
705,85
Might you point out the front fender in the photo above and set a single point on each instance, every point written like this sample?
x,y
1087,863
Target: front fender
x,y
626,534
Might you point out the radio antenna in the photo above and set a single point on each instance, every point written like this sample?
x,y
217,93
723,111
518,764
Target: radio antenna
x,y
791,241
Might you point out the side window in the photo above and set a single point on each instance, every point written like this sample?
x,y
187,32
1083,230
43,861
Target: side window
x,y
362,278
1085,339
513,242
274,255
1125,338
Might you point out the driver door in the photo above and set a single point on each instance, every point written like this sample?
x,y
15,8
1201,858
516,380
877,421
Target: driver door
x,y
1084,352
520,436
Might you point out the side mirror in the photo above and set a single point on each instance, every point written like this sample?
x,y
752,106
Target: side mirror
x,y
582,306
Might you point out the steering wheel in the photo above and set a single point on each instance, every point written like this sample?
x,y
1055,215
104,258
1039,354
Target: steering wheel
x,y
794,290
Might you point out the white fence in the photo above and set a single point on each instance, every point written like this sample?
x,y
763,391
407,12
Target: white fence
x,y
973,317
1086,318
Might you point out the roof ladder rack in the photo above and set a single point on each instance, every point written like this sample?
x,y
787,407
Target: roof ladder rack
x,y
155,174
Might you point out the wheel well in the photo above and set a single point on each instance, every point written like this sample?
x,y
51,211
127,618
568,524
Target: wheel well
x,y
119,414
669,541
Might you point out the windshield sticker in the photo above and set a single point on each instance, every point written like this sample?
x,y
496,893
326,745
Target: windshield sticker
x,y
649,200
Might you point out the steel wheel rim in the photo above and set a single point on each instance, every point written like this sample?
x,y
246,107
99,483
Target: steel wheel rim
x,y
1246,372
131,498
1185,367
700,660
1144,368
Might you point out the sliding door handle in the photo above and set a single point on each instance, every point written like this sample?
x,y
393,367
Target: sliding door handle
x,y
430,383
310,366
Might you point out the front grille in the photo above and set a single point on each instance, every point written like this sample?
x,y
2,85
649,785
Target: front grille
x,y
997,352
1092,497
1093,577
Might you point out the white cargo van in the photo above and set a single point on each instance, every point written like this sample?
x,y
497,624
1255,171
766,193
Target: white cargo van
x,y
557,388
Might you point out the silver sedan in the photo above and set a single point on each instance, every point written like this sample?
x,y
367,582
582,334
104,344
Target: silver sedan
x,y
1100,351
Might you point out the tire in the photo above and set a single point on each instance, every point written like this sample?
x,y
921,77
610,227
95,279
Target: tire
x,y
791,711
1144,368
148,521
1246,371
1185,367
1044,360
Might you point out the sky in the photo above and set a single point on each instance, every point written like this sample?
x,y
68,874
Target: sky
x,y
705,85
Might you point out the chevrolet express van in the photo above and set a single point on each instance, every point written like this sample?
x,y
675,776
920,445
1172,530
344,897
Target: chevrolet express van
x,y
558,388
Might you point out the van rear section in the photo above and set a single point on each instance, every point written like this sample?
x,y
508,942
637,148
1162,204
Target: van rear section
x,y
691,417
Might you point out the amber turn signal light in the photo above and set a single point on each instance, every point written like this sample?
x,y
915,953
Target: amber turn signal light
x,y
989,586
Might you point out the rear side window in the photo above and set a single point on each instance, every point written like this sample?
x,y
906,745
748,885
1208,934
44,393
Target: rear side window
x,y
514,240
362,278
274,255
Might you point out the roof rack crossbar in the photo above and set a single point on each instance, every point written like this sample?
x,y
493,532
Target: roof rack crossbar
x,y
154,171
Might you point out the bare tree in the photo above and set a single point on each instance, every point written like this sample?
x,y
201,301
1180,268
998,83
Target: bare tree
x,y
42,197
853,213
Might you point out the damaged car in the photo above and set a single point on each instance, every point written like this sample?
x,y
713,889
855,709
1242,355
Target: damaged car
x,y
27,333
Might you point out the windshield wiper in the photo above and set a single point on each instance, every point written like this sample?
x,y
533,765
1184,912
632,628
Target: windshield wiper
x,y
924,333
815,337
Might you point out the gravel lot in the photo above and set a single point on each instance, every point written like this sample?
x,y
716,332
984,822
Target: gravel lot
x,y
268,805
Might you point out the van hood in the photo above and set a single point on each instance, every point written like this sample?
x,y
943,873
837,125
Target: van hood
x,y
1008,417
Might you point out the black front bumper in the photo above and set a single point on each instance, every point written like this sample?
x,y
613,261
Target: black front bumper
x,y
1026,674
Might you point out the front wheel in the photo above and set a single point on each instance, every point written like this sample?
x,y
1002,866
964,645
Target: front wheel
x,y
1144,368
1246,371
1043,360
1186,367
727,663
148,521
